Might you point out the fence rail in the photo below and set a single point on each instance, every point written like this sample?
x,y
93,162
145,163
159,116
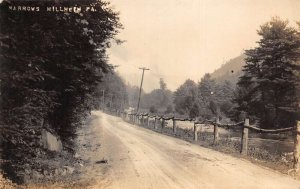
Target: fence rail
x,y
144,119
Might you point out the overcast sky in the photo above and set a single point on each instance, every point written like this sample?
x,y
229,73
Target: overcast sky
x,y
181,39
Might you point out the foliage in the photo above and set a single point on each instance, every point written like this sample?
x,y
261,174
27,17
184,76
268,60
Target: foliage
x,y
205,99
160,98
185,96
169,109
111,92
51,63
133,95
267,90
153,109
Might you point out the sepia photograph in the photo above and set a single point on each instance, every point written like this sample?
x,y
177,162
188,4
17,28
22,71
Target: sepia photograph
x,y
149,94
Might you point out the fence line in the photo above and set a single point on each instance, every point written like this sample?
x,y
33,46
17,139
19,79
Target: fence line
x,y
219,124
138,118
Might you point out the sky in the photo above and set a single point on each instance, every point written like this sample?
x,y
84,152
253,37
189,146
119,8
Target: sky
x,y
184,39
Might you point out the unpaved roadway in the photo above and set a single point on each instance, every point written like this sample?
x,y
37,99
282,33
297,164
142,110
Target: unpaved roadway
x,y
138,158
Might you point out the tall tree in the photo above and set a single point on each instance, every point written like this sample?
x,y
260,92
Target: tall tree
x,y
267,88
159,98
111,92
207,97
162,84
185,96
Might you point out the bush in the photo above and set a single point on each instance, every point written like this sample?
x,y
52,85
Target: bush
x,y
153,109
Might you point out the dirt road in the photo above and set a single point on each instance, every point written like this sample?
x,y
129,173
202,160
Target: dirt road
x,y
138,158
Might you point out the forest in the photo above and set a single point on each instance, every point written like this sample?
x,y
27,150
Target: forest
x,y
262,85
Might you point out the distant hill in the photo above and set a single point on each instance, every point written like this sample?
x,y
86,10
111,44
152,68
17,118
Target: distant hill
x,y
230,71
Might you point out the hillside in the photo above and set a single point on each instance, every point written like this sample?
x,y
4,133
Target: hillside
x,y
231,70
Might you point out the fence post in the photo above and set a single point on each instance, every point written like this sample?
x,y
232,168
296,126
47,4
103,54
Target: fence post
x,y
162,124
148,120
139,120
155,127
195,132
297,148
136,119
216,130
174,125
145,120
142,120
244,140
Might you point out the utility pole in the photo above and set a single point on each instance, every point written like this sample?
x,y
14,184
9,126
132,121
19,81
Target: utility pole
x,y
138,106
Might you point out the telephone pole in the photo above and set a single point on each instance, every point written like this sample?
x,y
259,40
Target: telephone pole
x,y
143,68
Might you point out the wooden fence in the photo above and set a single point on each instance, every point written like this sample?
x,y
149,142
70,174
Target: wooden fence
x,y
144,119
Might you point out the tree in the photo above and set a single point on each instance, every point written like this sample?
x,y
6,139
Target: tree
x,y
185,96
206,99
267,90
169,109
207,95
162,84
225,97
152,109
114,90
133,95
50,66
194,111
160,98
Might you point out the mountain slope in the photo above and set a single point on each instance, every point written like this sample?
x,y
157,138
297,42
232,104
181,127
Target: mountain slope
x,y
231,70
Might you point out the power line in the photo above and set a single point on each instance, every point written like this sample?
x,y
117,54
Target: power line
x,y
143,68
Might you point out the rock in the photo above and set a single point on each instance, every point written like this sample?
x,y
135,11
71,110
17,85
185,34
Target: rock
x,y
63,172
26,178
45,172
101,161
36,175
76,155
50,141
27,171
56,172
69,169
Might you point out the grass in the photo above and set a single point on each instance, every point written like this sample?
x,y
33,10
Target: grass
x,y
266,155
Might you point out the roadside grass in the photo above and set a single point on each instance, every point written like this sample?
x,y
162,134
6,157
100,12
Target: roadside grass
x,y
230,143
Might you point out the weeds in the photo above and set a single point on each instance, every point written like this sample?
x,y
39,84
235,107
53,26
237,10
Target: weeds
x,y
272,158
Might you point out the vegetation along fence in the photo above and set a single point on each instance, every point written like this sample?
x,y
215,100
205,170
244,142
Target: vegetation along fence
x,y
159,121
